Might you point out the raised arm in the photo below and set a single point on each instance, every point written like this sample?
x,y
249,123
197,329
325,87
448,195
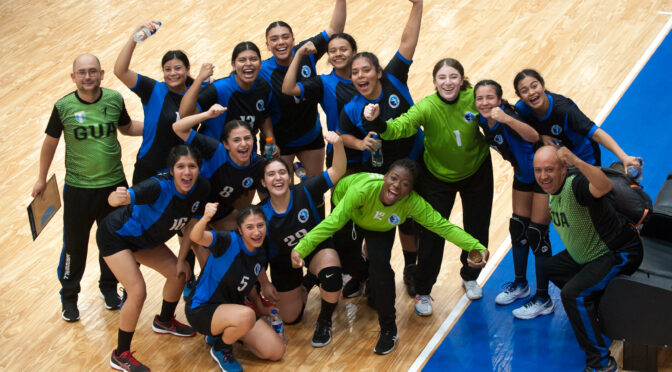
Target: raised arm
x,y
337,23
405,125
599,185
183,126
121,66
289,85
188,103
340,161
526,131
198,234
604,139
46,157
409,38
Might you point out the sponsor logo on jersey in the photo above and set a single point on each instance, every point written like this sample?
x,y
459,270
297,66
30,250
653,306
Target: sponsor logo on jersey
x,y
194,207
498,139
80,116
556,129
393,101
469,116
260,105
303,215
257,269
305,71
247,182
393,219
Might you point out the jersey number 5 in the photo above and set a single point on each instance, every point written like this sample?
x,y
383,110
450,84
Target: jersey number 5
x,y
243,283
293,240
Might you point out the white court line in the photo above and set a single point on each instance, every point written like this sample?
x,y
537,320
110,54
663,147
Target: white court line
x,y
666,13
504,247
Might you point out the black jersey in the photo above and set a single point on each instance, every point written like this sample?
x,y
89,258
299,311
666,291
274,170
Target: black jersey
x,y
513,148
394,100
567,125
161,107
157,211
295,120
286,229
251,105
230,271
228,181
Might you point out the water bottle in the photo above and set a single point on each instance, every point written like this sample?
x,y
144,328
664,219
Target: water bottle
x,y
634,172
299,170
277,325
377,154
143,34
269,148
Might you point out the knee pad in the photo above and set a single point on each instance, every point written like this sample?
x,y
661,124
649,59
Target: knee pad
x,y
330,278
537,235
517,227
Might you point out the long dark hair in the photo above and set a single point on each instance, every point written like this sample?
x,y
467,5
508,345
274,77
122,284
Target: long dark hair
x,y
243,46
278,24
183,150
231,125
498,90
452,62
249,210
177,54
346,37
525,73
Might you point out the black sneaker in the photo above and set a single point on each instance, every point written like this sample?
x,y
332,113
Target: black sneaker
x,y
111,298
386,341
172,327
309,281
70,312
409,279
322,335
611,366
126,362
353,288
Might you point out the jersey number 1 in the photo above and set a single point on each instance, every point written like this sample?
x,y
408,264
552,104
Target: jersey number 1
x,y
458,138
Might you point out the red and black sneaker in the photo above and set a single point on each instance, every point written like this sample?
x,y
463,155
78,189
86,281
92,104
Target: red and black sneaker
x,y
126,362
172,327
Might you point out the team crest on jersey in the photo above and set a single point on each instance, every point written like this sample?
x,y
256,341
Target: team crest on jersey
x,y
393,101
247,182
80,117
393,219
556,129
305,71
257,269
303,215
260,105
498,139
194,207
469,116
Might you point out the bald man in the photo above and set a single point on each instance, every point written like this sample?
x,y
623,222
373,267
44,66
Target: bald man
x,y
599,245
89,118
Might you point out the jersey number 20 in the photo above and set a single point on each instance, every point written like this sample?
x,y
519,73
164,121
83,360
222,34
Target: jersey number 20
x,y
292,240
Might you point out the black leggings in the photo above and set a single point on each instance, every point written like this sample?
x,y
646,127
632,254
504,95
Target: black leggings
x,y
381,276
476,194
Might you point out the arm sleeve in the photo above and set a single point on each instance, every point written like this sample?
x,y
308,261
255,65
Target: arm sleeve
x,y
205,144
424,214
147,191
581,190
207,97
317,185
398,67
221,240
405,125
55,125
346,126
124,118
579,122
312,89
143,88
321,42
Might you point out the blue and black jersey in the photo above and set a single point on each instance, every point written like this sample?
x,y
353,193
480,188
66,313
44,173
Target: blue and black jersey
x,y
251,105
395,99
286,229
228,181
333,93
157,211
161,107
230,271
513,148
295,120
567,124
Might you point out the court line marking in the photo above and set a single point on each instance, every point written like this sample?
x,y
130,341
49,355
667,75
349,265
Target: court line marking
x,y
505,246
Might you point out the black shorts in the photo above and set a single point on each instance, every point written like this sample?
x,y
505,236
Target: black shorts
x,y
318,143
286,278
200,318
527,187
409,227
110,243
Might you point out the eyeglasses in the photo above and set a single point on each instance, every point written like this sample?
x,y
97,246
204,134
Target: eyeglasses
x,y
91,72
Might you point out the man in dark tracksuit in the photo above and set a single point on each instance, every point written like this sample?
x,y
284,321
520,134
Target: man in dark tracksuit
x,y
599,245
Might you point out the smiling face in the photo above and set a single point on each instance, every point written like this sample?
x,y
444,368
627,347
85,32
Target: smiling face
x,y
486,99
532,92
549,170
253,231
175,75
276,178
397,183
185,173
246,65
448,82
239,145
280,42
87,74
340,53
366,78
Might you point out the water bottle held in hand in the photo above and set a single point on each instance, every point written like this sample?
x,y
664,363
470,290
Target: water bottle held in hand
x,y
277,325
377,154
144,33
269,148
635,173
299,170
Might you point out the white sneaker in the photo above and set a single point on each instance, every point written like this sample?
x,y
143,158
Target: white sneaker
x,y
423,305
533,308
512,291
474,291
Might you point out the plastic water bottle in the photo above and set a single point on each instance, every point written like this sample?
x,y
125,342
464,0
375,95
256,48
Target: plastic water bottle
x,y
144,33
269,148
635,173
377,154
277,325
299,170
